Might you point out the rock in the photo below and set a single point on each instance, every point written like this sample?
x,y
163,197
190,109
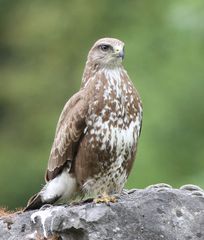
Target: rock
x,y
157,212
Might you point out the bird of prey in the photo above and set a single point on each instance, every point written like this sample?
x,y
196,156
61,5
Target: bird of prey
x,y
97,133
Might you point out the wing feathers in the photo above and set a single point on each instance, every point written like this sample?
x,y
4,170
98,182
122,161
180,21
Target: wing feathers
x,y
70,127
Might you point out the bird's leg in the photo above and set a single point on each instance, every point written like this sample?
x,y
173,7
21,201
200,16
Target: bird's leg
x,y
105,198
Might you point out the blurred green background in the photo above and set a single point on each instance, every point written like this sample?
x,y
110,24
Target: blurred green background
x,y
43,49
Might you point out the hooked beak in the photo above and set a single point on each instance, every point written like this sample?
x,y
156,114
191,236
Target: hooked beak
x,y
120,53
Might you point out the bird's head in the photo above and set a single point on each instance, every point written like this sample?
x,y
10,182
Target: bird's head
x,y
107,52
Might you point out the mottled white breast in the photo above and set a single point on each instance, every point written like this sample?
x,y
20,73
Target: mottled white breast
x,y
119,132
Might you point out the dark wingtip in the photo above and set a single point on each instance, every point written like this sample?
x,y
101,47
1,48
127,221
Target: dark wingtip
x,y
35,202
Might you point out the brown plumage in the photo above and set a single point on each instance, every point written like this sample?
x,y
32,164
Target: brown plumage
x,y
97,133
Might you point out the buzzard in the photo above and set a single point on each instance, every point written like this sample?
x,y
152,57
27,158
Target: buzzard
x,y
97,133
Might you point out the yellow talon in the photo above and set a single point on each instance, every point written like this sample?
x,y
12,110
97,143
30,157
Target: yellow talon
x,y
105,198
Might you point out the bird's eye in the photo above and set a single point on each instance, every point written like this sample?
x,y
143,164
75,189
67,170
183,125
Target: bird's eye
x,y
104,47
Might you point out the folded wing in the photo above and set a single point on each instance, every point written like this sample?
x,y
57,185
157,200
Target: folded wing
x,y
69,131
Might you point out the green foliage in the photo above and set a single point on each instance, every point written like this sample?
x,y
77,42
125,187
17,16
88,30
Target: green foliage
x,y
43,48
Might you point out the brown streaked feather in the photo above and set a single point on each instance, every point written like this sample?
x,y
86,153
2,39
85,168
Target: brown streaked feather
x,y
88,161
69,129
